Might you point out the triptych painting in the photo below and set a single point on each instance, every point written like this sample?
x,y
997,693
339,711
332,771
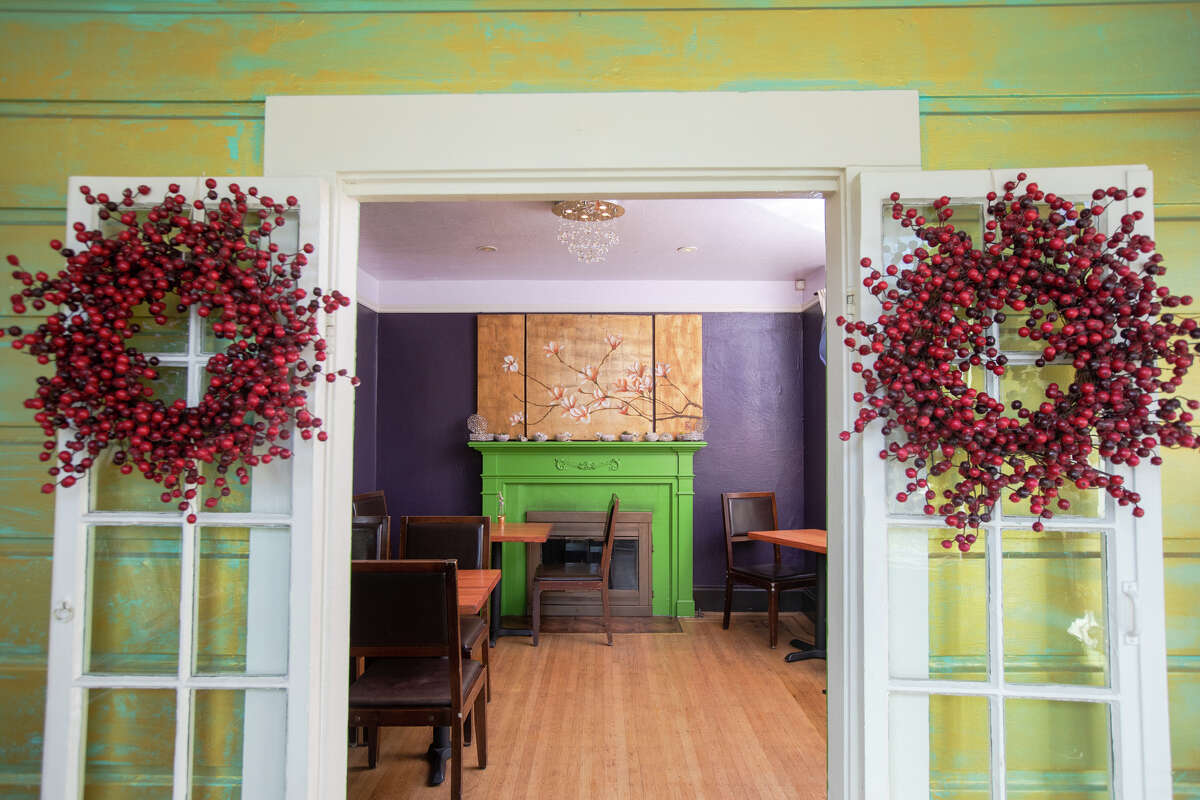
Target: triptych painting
x,y
590,374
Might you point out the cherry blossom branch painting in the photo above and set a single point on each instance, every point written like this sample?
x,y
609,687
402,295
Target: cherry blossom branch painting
x,y
590,374
634,391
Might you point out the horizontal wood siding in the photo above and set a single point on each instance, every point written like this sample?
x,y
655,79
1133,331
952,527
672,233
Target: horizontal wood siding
x,y
134,88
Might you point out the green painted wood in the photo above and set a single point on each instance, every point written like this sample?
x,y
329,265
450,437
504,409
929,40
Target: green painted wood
x,y
581,476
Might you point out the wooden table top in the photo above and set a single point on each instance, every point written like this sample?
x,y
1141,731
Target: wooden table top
x,y
474,586
521,532
811,539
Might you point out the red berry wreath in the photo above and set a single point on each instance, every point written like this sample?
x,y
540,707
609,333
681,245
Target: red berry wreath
x,y
217,259
1091,299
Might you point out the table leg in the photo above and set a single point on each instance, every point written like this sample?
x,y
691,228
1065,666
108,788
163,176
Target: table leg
x,y
438,754
804,650
496,630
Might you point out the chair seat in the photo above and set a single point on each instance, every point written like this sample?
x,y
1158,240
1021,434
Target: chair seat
x,y
568,572
773,572
471,629
409,682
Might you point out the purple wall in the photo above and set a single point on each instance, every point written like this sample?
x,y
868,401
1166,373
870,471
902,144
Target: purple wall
x,y
754,399
365,399
754,402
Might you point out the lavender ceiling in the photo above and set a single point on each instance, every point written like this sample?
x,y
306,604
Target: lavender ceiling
x,y
776,239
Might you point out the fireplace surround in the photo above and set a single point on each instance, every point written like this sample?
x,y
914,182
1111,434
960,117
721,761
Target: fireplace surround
x,y
653,477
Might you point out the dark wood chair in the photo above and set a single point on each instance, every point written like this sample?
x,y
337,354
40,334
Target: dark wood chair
x,y
370,504
370,537
755,511
468,540
404,618
578,577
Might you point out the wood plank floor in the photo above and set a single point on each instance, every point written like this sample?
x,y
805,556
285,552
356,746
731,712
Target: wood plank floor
x,y
706,713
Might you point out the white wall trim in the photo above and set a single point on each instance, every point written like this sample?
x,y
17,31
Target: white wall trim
x,y
405,148
585,296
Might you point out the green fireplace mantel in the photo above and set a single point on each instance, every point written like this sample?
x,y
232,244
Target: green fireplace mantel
x,y
581,476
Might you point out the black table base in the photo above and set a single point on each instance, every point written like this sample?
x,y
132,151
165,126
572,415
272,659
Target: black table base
x,y
804,650
495,630
438,754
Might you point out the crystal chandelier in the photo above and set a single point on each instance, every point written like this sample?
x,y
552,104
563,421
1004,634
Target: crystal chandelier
x,y
585,227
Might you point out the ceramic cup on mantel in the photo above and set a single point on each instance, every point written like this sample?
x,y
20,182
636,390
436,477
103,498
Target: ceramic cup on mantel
x,y
628,437
651,436
539,437
562,437
501,437
665,437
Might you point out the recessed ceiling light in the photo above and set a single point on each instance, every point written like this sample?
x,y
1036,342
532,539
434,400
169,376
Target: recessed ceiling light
x,y
487,248
687,248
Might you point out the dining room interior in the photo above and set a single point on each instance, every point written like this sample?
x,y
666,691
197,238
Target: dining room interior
x,y
529,414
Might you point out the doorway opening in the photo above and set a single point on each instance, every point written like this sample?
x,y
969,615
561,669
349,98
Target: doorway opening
x,y
752,270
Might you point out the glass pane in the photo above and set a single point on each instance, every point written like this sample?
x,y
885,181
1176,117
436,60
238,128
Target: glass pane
x,y
242,601
1027,383
238,744
267,490
112,491
897,241
130,744
171,337
623,571
937,606
1057,750
957,764
134,600
1055,614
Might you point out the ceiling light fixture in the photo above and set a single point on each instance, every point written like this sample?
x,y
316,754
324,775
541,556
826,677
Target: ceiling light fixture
x,y
687,248
585,227
487,248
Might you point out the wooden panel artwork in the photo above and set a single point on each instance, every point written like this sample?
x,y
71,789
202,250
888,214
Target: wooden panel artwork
x,y
678,371
589,374
500,378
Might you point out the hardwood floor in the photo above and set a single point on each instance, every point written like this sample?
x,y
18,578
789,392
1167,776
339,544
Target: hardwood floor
x,y
705,713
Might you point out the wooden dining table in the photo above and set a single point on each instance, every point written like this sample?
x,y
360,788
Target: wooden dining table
x,y
474,588
813,540
526,533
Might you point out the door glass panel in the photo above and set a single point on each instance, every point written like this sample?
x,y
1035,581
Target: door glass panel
x,y
937,606
134,600
171,337
1057,750
113,491
1055,614
267,488
242,601
238,744
130,744
940,747
1027,383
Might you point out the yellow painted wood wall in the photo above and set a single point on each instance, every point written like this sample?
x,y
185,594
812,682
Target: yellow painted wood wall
x,y
145,88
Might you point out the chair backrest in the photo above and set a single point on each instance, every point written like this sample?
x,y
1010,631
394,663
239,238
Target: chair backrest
x,y
747,511
404,609
370,537
370,504
466,539
606,559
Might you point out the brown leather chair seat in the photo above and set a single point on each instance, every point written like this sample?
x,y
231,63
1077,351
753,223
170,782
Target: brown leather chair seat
x,y
402,682
774,572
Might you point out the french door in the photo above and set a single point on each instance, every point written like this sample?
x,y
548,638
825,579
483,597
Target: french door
x,y
180,652
1033,666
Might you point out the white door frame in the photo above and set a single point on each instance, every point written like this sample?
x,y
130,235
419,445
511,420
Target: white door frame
x,y
453,147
